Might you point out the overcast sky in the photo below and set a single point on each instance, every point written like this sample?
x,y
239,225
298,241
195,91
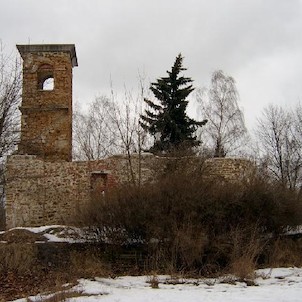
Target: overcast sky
x,y
258,42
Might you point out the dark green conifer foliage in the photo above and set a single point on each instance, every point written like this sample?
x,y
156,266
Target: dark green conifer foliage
x,y
166,119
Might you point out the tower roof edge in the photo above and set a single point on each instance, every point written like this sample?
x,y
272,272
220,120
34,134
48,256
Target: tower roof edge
x,y
34,48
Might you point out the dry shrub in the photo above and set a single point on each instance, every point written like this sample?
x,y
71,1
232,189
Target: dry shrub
x,y
57,297
86,264
246,248
244,268
153,280
191,218
18,258
285,252
188,247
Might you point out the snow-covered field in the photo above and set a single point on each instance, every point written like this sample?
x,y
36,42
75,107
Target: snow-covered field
x,y
276,285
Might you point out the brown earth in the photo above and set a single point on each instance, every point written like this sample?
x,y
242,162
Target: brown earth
x,y
14,287
20,236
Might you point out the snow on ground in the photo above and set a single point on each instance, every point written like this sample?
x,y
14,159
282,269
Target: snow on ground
x,y
71,234
275,285
57,233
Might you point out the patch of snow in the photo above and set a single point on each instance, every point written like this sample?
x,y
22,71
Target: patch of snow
x,y
274,285
294,230
55,238
39,229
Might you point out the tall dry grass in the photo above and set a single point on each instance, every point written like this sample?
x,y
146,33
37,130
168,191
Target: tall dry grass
x,y
18,258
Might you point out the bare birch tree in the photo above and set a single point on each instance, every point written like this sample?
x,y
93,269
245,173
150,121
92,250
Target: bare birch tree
x,y
225,131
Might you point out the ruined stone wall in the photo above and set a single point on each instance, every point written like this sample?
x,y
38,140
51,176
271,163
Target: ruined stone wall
x,y
228,169
40,192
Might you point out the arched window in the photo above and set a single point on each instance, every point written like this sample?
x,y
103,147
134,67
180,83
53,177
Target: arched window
x,y
48,84
46,78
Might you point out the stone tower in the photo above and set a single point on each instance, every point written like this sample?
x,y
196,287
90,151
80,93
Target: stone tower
x,y
46,121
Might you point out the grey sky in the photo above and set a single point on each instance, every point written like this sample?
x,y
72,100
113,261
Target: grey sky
x,y
258,42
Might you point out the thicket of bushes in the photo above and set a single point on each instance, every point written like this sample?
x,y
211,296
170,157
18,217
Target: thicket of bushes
x,y
192,223
184,222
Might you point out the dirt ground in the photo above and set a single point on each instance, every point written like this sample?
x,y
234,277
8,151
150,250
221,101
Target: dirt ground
x,y
14,287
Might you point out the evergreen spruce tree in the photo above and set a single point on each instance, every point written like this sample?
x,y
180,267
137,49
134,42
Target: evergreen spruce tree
x,y
166,119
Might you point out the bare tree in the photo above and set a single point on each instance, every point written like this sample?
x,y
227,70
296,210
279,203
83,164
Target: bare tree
x,y
112,127
225,131
297,123
10,97
280,145
94,135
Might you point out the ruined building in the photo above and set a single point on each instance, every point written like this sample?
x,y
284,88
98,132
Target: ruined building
x,y
43,184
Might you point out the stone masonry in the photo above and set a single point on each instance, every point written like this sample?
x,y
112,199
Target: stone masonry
x,y
40,192
46,122
230,169
43,185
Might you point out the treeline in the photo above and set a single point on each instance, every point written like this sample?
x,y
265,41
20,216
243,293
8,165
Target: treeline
x,y
156,120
